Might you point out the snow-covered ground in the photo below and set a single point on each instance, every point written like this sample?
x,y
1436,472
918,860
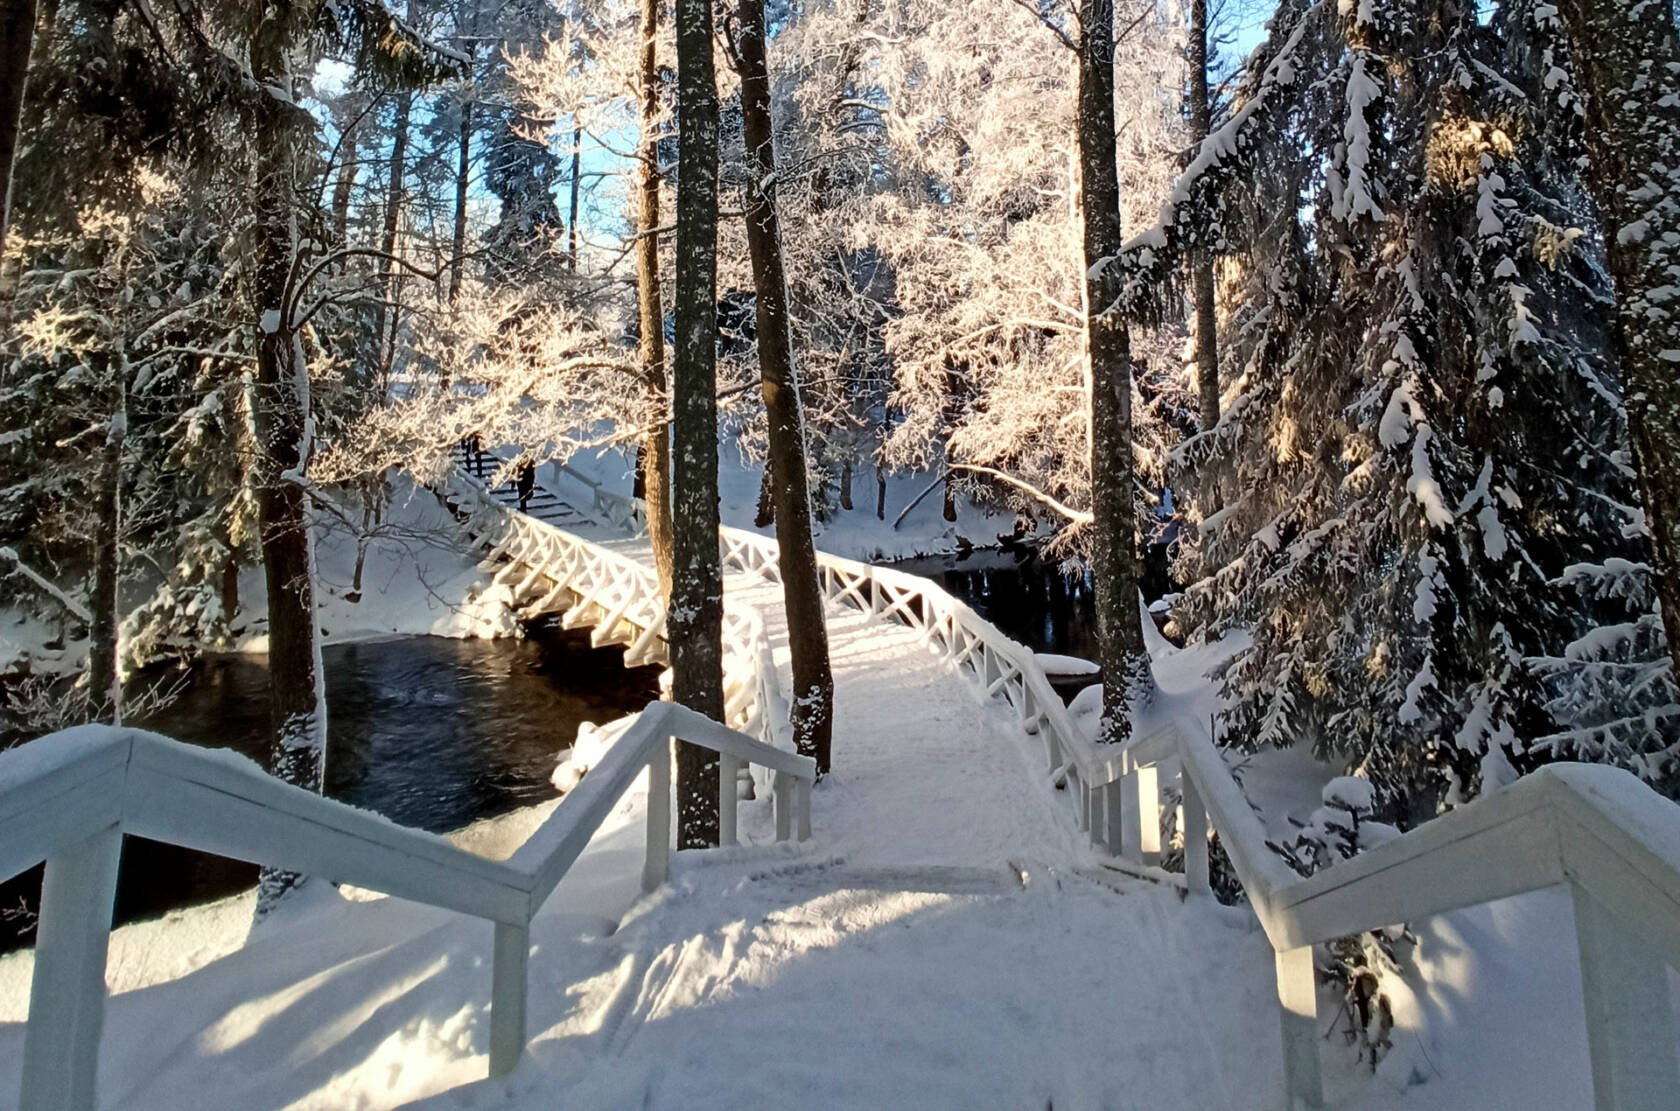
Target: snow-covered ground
x,y
855,533
416,581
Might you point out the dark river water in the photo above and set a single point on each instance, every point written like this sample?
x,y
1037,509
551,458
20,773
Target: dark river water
x,y
430,732
1027,598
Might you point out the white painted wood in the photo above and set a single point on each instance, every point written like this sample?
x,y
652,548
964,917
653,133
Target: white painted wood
x,y
509,984
657,868
1149,815
1630,1018
782,788
1298,1012
1196,852
729,770
67,995
1113,818
802,802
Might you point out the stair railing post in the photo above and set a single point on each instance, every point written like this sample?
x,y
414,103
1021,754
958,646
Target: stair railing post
x,y
1630,1021
802,795
657,868
67,995
509,983
784,805
1298,1009
1196,862
728,771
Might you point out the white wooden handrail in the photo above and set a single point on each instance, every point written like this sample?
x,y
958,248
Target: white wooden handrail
x,y
1612,839
69,797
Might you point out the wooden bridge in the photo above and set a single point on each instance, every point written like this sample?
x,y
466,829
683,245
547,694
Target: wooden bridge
x,y
934,705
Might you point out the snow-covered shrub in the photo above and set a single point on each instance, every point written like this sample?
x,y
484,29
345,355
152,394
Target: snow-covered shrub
x,y
1340,828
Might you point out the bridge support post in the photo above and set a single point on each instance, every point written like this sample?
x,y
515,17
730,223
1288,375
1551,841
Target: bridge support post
x,y
508,984
1298,1007
728,792
1630,1022
67,996
784,805
1114,810
802,795
1141,795
1197,874
657,868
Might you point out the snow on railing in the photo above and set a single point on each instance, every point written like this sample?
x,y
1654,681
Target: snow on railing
x,y
1612,839
68,799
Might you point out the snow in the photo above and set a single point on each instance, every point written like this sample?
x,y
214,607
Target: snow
x,y
1053,664
854,534
416,581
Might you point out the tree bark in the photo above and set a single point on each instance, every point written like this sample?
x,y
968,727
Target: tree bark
x,y
104,677
463,168
342,188
813,681
765,514
1628,62
655,448
280,418
1201,263
388,242
17,30
696,616
1108,351
577,162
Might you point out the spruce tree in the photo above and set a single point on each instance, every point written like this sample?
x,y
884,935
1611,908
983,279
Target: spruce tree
x,y
1426,431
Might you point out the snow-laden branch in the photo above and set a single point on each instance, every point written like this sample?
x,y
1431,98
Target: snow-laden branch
x,y
1151,260
47,587
1077,516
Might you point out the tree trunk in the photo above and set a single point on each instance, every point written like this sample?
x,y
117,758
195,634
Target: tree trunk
x,y
577,155
463,168
230,587
17,29
655,451
280,422
813,682
846,485
765,515
1628,62
1108,349
948,504
348,148
696,616
1201,263
388,242
104,677
880,493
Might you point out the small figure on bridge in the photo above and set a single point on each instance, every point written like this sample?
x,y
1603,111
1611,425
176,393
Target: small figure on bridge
x,y
526,482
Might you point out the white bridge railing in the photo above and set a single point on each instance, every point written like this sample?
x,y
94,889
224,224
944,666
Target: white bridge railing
x,y
1612,839
1106,783
69,798
617,598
